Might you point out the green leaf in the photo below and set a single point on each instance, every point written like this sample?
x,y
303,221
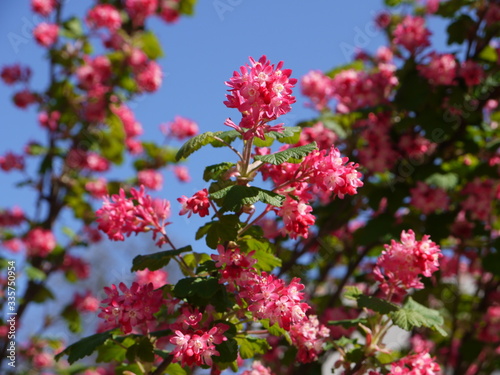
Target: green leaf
x,y
250,346
112,140
491,263
144,350
34,273
236,196
445,181
459,30
149,43
72,317
158,260
193,259
195,143
113,351
352,292
347,323
225,229
489,54
413,314
264,253
72,28
291,153
376,304
187,7
214,172
84,347
175,369
228,351
356,65
276,330
204,287
43,294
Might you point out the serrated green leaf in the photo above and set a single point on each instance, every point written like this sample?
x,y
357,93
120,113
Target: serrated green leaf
x,y
112,351
214,172
84,347
228,351
347,323
352,292
276,330
72,28
204,287
413,314
175,369
145,350
194,144
250,346
193,259
376,304
224,229
158,260
236,196
290,153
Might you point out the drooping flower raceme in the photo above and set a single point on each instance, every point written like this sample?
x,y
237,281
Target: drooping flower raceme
x,y
309,336
412,34
198,204
132,308
121,215
400,265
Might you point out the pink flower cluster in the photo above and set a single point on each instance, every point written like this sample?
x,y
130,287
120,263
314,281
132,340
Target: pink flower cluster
x,y
50,120
262,93
309,337
43,7
121,215
194,341
412,34
267,296
258,369
12,217
428,199
24,98
355,89
198,204
46,34
471,72
150,178
181,128
318,88
86,302
416,146
81,159
11,161
441,70
40,242
490,332
416,364
97,188
15,73
323,174
400,264
139,10
158,278
319,133
479,195
131,126
104,15
131,309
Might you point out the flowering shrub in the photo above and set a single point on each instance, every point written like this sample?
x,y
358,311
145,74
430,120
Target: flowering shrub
x,y
376,215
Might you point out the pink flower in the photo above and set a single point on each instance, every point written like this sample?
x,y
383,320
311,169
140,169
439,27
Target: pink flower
x,y
170,10
416,146
150,178
96,162
139,10
158,278
324,137
317,87
94,73
198,204
297,217
150,78
479,195
24,98
134,308
471,72
40,242
309,336
441,70
86,302
76,266
121,216
383,19
490,332
97,188
15,73
50,120
181,128
43,7
46,34
400,264
492,14
258,369
412,34
14,244
421,364
11,161
428,199
262,93
104,15
137,59
11,218
182,173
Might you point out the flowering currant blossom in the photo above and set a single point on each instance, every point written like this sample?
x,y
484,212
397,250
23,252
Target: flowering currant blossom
x,y
400,265
139,10
262,93
441,70
150,178
196,347
428,199
181,128
472,73
421,364
258,369
131,309
490,332
40,242
24,98
11,161
121,215
297,217
318,133
158,278
150,77
169,11
236,267
412,34
11,218
104,15
479,195
318,88
182,173
97,188
50,120
198,204
46,34
86,302
15,73
43,7
309,336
